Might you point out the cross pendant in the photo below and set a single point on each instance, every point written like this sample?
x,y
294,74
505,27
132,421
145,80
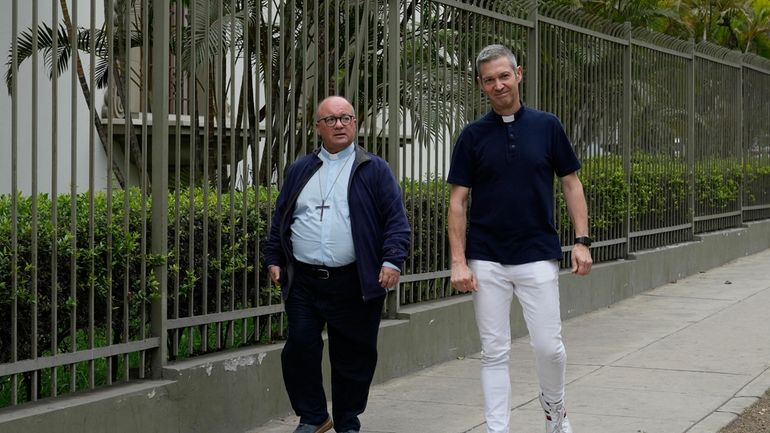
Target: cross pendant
x,y
322,207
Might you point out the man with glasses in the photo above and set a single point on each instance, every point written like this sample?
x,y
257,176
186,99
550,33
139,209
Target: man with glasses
x,y
508,159
338,241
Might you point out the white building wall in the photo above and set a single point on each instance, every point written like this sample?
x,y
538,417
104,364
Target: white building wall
x,y
68,120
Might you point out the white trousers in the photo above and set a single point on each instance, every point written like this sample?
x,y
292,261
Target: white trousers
x,y
536,285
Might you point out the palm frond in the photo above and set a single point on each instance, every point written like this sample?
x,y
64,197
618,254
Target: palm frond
x,y
45,35
45,38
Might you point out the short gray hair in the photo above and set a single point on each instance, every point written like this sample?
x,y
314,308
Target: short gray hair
x,y
492,52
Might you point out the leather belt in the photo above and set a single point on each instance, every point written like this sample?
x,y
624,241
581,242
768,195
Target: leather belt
x,y
324,272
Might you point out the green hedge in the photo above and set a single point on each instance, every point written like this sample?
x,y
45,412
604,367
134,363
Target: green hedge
x,y
426,206
114,262
658,189
119,267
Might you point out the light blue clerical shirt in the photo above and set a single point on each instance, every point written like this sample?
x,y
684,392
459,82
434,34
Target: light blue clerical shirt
x,y
320,230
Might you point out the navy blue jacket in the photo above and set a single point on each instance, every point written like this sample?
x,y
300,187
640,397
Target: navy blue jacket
x,y
378,221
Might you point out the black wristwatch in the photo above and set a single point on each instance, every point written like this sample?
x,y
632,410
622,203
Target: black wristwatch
x,y
584,240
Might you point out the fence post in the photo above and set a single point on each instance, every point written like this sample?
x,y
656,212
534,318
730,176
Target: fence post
x,y
160,59
394,141
739,138
628,101
394,68
691,139
533,59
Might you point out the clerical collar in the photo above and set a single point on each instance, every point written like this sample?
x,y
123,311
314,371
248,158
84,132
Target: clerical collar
x,y
342,154
512,117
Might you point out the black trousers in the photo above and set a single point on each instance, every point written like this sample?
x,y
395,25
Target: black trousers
x,y
352,326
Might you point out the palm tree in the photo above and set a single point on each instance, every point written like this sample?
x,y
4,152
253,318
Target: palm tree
x,y
640,13
300,54
702,19
57,48
60,42
755,22
293,54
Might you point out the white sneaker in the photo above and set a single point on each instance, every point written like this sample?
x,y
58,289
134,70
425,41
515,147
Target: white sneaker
x,y
555,417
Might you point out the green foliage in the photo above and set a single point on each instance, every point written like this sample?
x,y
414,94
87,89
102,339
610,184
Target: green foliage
x,y
718,184
659,190
736,24
198,260
117,265
757,181
606,191
426,206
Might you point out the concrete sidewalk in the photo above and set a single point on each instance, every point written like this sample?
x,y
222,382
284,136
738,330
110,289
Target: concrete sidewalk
x,y
685,357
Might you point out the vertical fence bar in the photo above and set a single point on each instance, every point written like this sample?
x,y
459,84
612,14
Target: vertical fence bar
x,y
691,137
14,199
179,11
73,191
256,166
111,69
34,222
160,57
626,144
269,131
128,137
192,273
533,58
423,244
246,204
220,123
231,176
206,184
739,156
145,108
92,197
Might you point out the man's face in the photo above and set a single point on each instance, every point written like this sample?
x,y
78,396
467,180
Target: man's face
x,y
337,136
500,81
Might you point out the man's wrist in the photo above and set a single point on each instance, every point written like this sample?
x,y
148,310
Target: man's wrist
x,y
583,240
390,265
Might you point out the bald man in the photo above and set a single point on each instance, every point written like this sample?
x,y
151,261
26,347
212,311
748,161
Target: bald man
x,y
338,242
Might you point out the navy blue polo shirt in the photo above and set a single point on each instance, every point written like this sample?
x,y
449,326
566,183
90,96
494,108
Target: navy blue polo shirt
x,y
510,169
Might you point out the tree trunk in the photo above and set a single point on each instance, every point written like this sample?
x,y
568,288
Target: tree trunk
x,y
132,149
119,175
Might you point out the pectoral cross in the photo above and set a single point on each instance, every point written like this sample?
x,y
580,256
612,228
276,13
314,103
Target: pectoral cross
x,y
322,206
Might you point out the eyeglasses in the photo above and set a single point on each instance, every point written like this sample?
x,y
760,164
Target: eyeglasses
x,y
330,121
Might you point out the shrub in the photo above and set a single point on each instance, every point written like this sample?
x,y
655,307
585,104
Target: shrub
x,y
118,265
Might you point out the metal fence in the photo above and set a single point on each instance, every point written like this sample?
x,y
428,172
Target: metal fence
x,y
756,138
193,110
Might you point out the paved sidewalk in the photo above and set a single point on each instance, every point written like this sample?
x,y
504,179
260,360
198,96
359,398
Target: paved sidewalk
x,y
685,357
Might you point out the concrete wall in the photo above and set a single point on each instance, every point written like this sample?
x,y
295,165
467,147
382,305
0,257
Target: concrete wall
x,y
235,391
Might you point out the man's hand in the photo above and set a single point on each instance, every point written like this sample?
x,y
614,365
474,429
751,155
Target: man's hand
x,y
275,274
462,278
389,277
581,260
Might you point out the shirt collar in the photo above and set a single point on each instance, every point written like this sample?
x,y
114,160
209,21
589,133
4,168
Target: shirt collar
x,y
509,119
342,154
